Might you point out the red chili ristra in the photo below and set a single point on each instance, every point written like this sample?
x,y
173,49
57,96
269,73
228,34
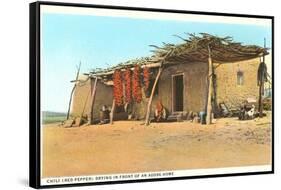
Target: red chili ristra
x,y
117,87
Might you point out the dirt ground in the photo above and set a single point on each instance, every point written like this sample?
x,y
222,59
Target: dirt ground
x,y
129,146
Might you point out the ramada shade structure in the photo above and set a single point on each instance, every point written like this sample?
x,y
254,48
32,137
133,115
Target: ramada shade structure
x,y
194,49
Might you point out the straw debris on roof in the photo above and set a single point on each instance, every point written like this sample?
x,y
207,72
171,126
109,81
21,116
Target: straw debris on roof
x,y
223,49
194,48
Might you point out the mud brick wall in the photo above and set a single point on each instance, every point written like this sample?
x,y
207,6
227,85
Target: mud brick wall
x,y
228,90
103,97
79,100
194,76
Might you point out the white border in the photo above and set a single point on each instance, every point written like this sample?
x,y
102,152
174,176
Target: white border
x,y
151,175
154,15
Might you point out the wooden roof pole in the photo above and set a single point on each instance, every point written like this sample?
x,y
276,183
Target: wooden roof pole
x,y
210,88
93,97
148,109
260,106
72,91
261,85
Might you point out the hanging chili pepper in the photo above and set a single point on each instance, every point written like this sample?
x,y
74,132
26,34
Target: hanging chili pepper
x,y
146,77
117,87
137,95
128,85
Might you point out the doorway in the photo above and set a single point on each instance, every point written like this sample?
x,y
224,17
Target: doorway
x,y
178,91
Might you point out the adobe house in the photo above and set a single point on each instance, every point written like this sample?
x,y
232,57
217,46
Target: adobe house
x,y
193,76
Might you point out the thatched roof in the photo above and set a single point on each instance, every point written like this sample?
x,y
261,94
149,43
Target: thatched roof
x,y
194,49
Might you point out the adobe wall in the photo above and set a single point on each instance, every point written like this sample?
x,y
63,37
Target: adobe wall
x,y
228,90
194,85
82,98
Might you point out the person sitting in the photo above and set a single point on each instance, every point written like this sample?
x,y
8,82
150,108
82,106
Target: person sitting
x,y
160,113
104,115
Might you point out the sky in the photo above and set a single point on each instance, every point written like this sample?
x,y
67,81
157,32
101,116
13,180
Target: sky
x,y
103,41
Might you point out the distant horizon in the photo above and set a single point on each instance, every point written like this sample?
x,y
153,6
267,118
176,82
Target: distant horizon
x,y
101,42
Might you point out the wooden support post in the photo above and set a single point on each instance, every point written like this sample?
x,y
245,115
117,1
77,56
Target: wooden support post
x,y
148,109
72,91
261,87
112,112
260,99
210,89
151,96
93,100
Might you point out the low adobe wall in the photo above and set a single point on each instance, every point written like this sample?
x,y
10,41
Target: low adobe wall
x,y
82,98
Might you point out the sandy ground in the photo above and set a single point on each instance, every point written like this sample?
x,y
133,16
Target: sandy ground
x,y
129,146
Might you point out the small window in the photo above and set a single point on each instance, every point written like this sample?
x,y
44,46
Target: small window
x,y
240,78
